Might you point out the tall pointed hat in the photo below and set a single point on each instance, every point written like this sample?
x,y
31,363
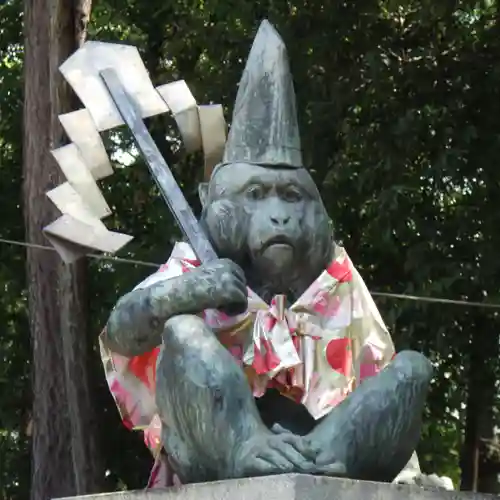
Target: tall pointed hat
x,y
264,128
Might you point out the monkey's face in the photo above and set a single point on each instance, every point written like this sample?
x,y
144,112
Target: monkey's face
x,y
269,220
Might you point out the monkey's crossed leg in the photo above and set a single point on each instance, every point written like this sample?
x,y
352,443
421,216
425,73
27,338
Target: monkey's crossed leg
x,y
214,430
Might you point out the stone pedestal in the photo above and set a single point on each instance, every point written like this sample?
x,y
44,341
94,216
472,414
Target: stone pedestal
x,y
290,487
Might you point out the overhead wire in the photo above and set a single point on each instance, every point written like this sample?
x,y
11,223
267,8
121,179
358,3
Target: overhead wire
x,y
95,256
397,296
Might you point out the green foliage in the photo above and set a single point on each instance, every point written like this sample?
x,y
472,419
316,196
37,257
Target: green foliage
x,y
399,105
14,337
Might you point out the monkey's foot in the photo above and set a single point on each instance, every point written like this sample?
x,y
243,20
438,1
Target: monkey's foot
x,y
325,462
268,453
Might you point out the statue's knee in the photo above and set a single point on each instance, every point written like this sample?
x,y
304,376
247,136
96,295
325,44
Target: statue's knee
x,y
184,326
190,335
184,347
414,365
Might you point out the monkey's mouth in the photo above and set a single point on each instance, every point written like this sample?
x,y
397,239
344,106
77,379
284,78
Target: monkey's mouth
x,y
276,242
276,256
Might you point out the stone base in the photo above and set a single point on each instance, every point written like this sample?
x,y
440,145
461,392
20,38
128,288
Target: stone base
x,y
291,487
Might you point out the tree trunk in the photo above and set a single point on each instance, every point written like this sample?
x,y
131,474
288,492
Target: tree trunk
x,y
64,455
479,469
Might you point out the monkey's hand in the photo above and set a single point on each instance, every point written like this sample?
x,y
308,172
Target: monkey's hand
x,y
220,284
268,453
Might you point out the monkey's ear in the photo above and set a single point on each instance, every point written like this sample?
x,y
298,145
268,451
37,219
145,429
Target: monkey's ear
x,y
203,193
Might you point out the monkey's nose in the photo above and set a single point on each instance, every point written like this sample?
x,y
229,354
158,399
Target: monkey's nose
x,y
280,221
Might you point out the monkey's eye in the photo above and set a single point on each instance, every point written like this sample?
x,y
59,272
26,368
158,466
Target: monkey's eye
x,y
255,193
292,195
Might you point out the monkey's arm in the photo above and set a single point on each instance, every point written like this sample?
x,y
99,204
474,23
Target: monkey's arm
x,y
136,323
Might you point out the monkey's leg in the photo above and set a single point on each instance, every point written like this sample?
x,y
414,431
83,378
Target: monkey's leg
x,y
377,428
203,399
212,429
